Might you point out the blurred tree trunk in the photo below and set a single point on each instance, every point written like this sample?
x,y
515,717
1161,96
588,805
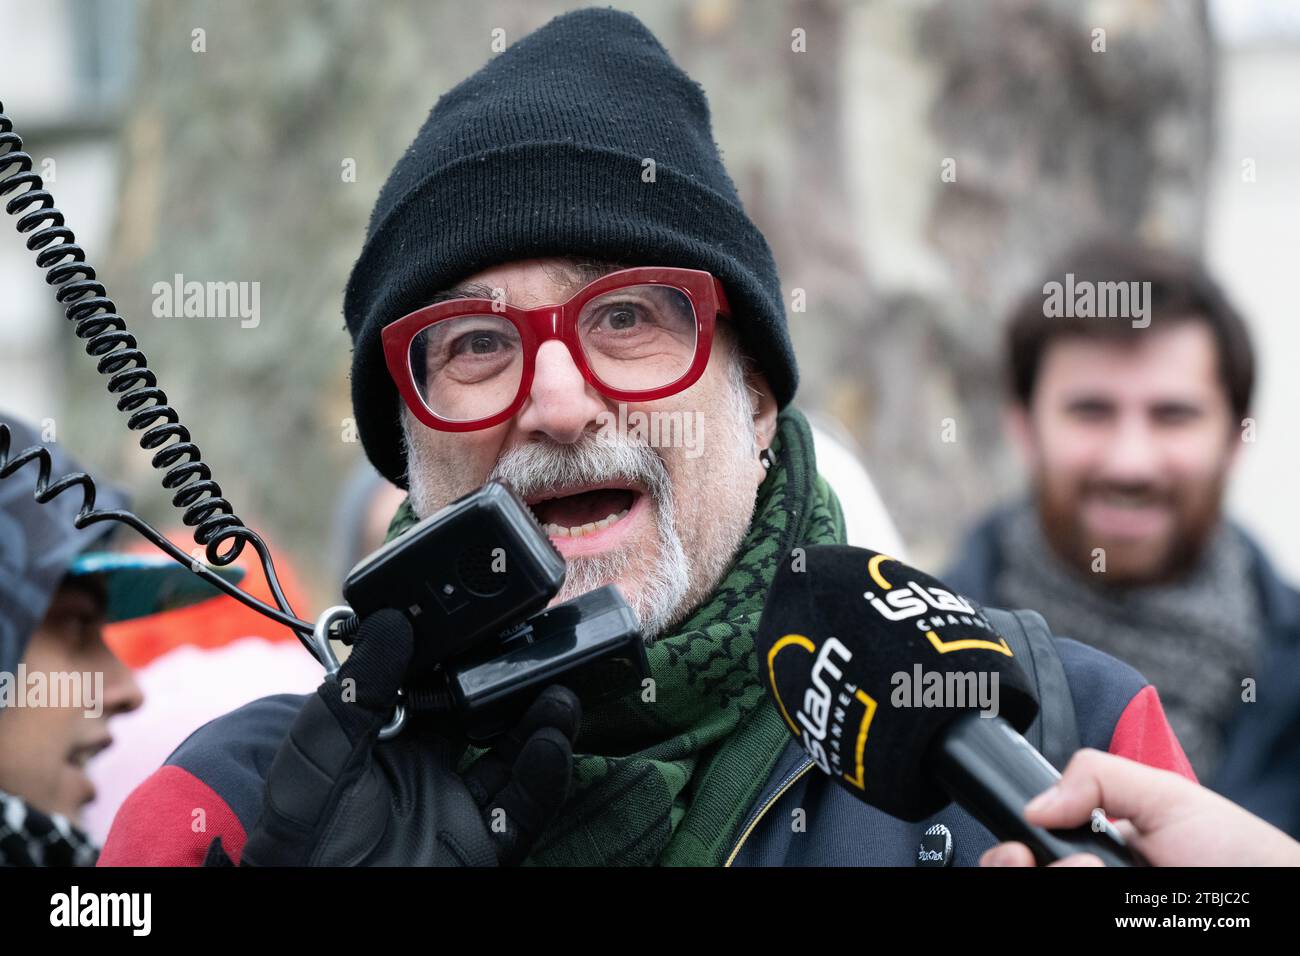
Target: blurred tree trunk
x,y
236,162
1059,120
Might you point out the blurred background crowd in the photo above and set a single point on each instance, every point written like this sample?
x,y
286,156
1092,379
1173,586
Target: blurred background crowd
x,y
916,171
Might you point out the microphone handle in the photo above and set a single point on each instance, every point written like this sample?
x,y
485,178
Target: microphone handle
x,y
992,771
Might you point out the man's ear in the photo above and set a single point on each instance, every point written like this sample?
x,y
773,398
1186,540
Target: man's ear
x,y
763,402
1018,421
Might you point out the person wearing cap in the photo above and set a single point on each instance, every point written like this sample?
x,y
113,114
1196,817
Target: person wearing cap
x,y
560,251
60,684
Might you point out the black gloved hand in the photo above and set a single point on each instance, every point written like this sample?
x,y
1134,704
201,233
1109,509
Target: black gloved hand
x,y
337,796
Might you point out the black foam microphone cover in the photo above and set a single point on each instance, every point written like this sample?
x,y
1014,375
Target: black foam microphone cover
x,y
868,660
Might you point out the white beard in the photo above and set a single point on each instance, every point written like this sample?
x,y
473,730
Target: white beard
x,y
664,590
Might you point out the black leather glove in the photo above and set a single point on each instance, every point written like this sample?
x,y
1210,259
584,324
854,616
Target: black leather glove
x,y
337,796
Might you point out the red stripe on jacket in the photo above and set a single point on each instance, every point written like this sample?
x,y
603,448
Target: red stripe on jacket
x,y
169,820
1143,734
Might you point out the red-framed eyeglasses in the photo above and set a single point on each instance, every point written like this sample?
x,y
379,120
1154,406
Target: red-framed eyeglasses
x,y
636,335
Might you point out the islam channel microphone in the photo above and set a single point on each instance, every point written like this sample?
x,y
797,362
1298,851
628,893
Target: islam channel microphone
x,y
875,668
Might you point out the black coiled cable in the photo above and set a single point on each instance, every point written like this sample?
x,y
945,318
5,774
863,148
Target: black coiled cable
x,y
95,319
46,490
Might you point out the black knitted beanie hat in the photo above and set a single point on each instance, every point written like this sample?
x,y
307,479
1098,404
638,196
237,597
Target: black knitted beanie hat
x,y
542,153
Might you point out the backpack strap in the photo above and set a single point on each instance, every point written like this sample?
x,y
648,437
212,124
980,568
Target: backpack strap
x,y
1054,732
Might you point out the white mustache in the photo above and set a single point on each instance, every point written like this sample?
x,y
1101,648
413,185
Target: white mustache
x,y
539,466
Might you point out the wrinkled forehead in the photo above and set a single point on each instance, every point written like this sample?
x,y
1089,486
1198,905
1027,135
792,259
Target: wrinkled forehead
x,y
529,282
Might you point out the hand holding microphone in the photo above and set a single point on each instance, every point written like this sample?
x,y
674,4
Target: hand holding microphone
x,y
1167,818
842,629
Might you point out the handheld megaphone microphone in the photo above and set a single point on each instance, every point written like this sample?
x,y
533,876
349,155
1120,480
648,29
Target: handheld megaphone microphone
x,y
903,691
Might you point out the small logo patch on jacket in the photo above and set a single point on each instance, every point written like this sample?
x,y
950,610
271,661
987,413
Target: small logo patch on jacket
x,y
936,847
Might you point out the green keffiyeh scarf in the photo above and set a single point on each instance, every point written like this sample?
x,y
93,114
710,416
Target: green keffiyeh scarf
x,y
670,780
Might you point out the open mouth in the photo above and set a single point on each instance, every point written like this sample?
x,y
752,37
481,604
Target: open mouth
x,y
582,512
1126,515
82,755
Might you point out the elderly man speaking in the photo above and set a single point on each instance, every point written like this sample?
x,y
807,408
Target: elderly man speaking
x,y
561,254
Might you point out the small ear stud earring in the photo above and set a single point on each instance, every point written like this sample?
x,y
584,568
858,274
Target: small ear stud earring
x,y
765,458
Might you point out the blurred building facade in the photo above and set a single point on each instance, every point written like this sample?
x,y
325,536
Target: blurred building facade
x,y
66,69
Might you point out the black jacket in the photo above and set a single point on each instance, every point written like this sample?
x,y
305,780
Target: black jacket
x,y
221,767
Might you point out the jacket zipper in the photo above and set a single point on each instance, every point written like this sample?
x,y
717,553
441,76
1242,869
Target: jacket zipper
x,y
786,784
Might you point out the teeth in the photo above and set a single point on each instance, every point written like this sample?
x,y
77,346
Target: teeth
x,y
559,531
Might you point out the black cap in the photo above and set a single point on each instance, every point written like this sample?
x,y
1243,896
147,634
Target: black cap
x,y
542,153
